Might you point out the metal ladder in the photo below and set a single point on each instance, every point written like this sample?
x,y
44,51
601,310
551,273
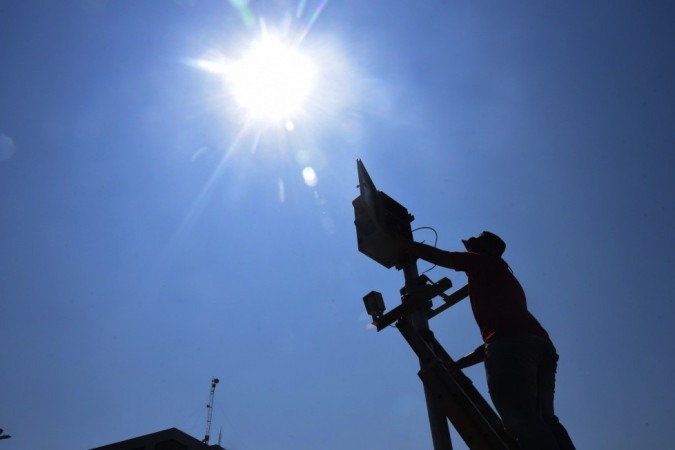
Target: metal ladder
x,y
473,418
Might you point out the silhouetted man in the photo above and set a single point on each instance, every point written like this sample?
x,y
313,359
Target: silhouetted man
x,y
520,359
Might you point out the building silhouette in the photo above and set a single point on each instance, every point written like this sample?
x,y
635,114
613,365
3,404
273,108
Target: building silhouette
x,y
169,439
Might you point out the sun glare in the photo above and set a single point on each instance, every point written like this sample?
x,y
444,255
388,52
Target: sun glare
x,y
272,81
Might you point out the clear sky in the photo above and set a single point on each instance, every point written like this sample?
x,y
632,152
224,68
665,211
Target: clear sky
x,y
154,234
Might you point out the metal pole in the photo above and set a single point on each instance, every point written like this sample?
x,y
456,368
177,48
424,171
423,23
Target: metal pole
x,y
440,432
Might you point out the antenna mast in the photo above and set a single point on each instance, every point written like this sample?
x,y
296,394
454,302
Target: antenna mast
x,y
209,409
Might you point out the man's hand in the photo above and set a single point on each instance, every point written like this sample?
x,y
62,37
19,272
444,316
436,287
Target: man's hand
x,y
473,358
405,248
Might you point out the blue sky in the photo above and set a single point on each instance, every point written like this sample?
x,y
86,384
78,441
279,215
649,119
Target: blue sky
x,y
152,238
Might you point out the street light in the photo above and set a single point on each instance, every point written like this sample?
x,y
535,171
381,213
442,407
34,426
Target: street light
x,y
381,222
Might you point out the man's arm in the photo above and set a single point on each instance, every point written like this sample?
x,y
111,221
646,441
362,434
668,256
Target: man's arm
x,y
429,253
472,358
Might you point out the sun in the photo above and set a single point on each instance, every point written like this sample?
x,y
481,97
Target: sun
x,y
272,81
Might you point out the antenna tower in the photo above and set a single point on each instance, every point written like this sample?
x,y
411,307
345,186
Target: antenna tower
x,y
209,409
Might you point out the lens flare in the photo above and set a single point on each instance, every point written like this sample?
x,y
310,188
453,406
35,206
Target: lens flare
x,y
7,147
309,175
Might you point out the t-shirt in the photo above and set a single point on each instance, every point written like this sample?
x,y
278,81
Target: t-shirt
x,y
497,299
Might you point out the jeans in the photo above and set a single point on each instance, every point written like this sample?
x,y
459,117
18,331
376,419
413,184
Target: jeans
x,y
520,373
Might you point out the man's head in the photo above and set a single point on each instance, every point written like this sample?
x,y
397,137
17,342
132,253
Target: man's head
x,y
485,243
